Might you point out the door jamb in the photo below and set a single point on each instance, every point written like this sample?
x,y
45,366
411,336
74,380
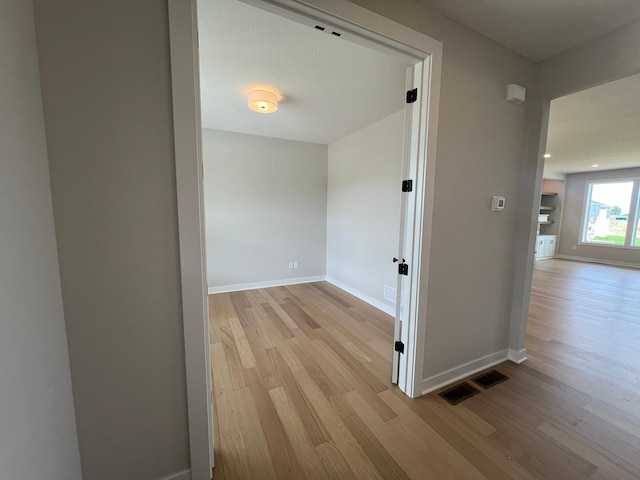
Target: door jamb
x,y
524,257
183,39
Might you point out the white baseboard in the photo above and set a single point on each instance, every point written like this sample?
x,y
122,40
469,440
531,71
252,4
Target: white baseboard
x,y
183,475
599,260
364,297
517,356
270,283
295,281
458,373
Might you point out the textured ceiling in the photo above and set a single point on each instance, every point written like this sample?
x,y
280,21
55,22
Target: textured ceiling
x,y
331,86
600,125
539,29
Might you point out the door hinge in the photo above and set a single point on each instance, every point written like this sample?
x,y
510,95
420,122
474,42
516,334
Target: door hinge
x,y
403,269
412,95
407,185
399,347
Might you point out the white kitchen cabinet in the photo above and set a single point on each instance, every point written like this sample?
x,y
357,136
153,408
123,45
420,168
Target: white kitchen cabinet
x,y
546,246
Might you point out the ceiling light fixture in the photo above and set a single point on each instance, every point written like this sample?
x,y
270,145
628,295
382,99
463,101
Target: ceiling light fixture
x,y
547,155
263,101
595,165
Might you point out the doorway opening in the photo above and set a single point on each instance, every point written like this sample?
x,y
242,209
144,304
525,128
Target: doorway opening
x,y
419,167
319,194
582,328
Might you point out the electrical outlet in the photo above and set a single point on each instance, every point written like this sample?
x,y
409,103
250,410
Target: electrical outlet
x,y
573,247
290,265
295,265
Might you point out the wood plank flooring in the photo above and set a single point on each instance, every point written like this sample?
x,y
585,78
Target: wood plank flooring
x,y
302,389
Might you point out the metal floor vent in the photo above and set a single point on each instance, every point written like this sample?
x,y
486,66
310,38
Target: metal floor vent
x,y
459,393
489,379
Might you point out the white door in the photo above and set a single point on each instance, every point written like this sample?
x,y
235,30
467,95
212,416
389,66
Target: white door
x,y
407,221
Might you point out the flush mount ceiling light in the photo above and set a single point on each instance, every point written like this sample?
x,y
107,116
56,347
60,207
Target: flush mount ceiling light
x,y
263,101
595,165
547,155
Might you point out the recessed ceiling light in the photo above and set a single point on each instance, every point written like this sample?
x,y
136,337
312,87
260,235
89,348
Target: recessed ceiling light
x,y
595,165
547,155
263,101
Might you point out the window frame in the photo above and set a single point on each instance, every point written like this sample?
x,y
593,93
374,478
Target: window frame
x,y
633,220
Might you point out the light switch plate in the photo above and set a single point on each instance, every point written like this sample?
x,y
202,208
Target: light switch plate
x,y
497,203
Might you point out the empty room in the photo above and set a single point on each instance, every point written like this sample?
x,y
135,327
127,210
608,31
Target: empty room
x,y
303,144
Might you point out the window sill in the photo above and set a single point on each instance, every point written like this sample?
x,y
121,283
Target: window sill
x,y
609,245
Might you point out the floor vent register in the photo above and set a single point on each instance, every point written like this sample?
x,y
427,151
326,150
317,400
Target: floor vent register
x,y
489,379
459,393
462,391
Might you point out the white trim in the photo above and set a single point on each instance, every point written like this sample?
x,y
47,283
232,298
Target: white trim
x,y
184,475
269,283
423,234
518,356
633,211
360,25
187,131
388,309
403,286
613,263
462,371
527,224
610,245
588,190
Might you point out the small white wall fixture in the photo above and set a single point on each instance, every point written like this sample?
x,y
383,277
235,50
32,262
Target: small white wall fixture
x,y
516,94
357,24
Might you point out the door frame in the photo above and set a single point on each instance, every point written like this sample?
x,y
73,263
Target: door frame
x,y
362,24
185,80
410,248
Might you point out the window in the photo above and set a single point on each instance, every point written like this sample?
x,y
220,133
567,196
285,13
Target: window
x,y
611,212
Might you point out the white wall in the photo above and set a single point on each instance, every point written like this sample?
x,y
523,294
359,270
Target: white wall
x,y
604,59
106,86
363,208
265,205
37,425
570,233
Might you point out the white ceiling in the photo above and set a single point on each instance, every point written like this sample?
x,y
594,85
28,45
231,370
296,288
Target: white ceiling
x,y
600,125
331,86
539,29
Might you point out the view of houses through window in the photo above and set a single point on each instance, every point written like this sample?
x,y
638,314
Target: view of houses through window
x,y
611,213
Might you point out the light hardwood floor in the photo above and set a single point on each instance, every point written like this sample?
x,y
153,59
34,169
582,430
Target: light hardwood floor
x,y
302,389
